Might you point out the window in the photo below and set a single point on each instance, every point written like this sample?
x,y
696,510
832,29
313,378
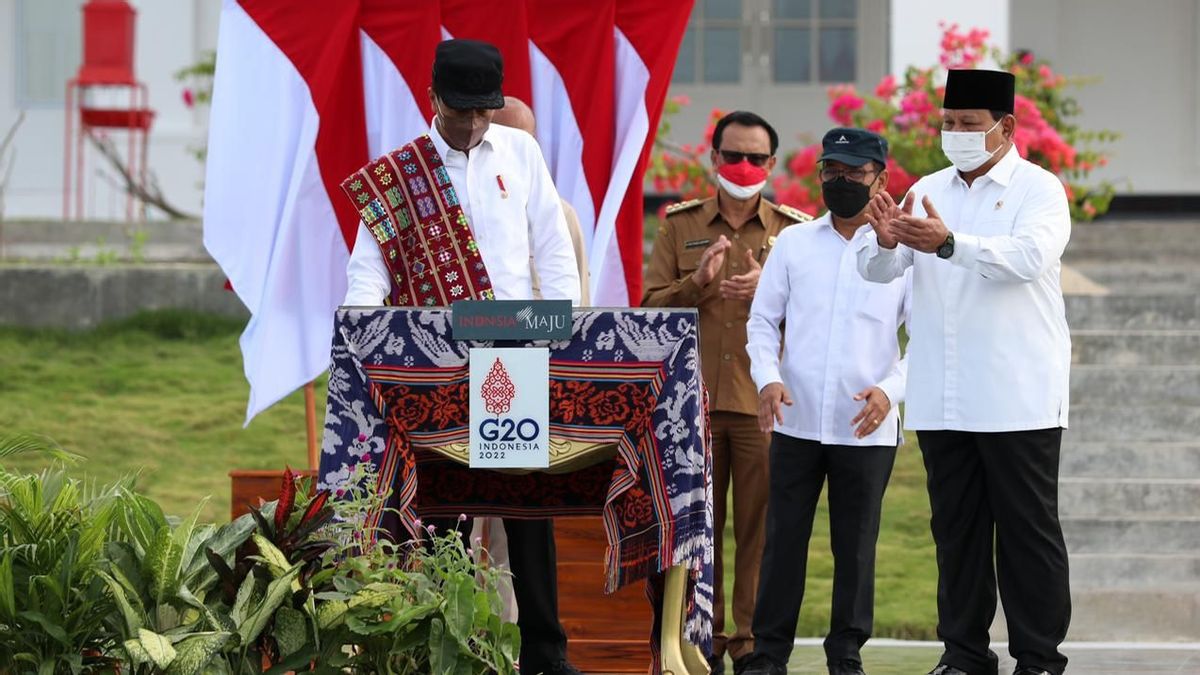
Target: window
x,y
48,49
712,46
814,41
780,41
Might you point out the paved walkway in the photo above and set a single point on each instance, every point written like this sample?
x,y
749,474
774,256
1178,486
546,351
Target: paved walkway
x,y
895,657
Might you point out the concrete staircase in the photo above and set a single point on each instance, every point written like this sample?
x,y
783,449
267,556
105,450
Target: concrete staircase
x,y
1130,474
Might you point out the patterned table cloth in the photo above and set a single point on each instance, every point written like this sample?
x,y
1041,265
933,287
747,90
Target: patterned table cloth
x,y
398,387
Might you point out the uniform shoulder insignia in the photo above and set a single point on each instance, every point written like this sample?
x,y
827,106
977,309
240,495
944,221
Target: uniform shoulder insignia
x,y
683,206
791,212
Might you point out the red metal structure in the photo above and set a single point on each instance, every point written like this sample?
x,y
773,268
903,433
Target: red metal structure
x,y
108,38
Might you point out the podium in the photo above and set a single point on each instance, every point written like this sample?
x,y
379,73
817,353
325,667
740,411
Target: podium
x,y
628,442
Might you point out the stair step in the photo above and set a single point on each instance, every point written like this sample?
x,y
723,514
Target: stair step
x,y
1115,497
1163,571
1129,460
1169,385
1135,348
1161,277
1129,535
1122,241
1134,312
1116,420
1127,615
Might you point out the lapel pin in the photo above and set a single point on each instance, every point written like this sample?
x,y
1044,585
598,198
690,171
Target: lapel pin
x,y
503,190
999,204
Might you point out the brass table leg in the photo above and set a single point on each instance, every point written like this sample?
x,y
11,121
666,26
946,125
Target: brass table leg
x,y
679,657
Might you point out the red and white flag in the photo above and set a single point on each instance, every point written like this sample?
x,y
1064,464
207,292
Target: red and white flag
x,y
572,70
286,126
307,91
398,41
648,34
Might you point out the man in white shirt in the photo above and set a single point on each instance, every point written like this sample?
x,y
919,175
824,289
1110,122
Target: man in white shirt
x,y
831,400
505,191
990,359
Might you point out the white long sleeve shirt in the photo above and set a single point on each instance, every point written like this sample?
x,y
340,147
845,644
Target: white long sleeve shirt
x,y
514,213
840,335
990,350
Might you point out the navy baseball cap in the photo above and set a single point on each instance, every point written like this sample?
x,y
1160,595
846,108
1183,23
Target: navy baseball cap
x,y
853,146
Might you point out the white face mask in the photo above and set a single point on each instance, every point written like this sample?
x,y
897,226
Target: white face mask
x,y
740,192
967,150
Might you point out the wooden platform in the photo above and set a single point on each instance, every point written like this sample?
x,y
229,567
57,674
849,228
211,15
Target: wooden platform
x,y
606,633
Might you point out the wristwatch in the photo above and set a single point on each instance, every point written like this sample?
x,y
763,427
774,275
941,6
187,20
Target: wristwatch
x,y
947,248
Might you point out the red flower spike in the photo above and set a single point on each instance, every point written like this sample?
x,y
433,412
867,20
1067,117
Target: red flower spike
x,y
315,505
287,499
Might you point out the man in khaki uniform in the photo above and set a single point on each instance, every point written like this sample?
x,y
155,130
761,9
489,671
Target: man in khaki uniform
x,y
708,255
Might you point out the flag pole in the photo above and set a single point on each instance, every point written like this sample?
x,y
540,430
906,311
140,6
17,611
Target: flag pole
x,y
310,415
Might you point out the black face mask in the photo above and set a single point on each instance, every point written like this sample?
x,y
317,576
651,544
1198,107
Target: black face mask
x,y
846,198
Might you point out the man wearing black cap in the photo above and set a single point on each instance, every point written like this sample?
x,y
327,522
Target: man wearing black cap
x,y
501,194
991,356
831,400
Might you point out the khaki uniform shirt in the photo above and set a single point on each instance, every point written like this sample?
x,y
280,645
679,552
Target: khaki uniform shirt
x,y
689,229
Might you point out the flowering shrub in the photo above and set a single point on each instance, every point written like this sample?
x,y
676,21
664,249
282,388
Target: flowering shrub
x,y
907,112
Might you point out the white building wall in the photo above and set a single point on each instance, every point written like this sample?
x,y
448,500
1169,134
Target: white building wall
x,y
170,36
1143,59
916,36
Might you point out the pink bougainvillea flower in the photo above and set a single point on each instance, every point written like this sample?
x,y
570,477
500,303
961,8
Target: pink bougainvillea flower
x,y
842,109
886,87
189,98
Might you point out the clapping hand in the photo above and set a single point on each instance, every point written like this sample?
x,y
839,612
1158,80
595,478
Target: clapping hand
x,y
920,234
882,211
711,261
741,287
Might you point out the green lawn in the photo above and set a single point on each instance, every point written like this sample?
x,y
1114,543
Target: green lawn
x,y
162,395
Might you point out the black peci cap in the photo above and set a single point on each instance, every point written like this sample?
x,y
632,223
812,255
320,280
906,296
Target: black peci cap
x,y
467,74
853,146
980,89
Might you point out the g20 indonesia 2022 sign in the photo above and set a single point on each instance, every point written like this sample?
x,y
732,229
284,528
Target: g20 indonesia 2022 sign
x,y
510,408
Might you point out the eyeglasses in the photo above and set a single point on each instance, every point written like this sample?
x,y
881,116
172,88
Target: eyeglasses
x,y
856,175
755,158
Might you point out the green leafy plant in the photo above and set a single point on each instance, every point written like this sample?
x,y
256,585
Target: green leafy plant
x,y
416,607
52,532
198,80
100,579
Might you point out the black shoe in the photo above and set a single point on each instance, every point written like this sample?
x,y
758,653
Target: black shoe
x,y
563,667
757,664
716,665
740,663
846,667
1030,670
943,669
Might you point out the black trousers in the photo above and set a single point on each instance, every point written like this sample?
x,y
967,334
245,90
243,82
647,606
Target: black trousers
x,y
857,479
994,498
532,557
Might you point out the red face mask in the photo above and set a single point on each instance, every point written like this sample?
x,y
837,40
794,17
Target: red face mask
x,y
743,173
